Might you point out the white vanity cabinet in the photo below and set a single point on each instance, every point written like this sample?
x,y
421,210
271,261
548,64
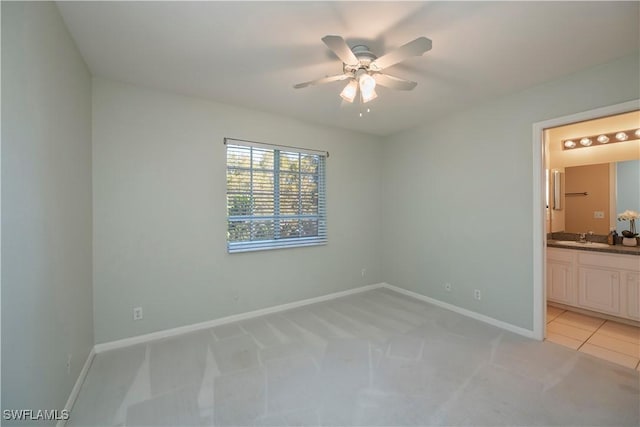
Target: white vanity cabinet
x,y
631,286
599,289
560,280
602,282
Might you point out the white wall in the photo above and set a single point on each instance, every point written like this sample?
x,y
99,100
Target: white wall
x,y
458,193
454,197
46,201
160,213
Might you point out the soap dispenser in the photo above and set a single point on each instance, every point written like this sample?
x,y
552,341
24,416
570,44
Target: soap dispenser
x,y
614,234
610,238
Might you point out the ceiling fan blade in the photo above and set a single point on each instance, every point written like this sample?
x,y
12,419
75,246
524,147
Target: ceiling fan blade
x,y
414,48
341,49
394,82
327,79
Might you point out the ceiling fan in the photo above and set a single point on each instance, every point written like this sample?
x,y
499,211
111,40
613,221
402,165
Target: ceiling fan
x,y
363,69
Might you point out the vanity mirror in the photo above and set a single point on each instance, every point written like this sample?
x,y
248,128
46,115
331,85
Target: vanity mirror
x,y
589,197
590,178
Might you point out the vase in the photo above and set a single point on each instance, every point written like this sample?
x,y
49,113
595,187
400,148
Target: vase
x,y
629,241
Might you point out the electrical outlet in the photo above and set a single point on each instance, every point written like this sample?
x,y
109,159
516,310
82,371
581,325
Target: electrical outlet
x,y
68,364
447,287
363,272
137,313
598,214
477,294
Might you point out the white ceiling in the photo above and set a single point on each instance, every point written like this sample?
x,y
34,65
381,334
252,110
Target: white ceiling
x,y
252,53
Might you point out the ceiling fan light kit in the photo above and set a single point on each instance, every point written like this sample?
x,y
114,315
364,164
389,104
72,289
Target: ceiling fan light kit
x,y
368,96
367,85
350,91
364,69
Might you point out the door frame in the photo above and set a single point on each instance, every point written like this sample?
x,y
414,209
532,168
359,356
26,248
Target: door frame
x,y
539,202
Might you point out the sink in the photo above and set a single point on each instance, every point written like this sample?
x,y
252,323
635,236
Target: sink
x,y
581,245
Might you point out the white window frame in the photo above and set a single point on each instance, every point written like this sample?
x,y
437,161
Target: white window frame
x,y
277,242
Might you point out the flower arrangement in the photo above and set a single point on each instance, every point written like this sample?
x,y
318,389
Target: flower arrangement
x,y
630,216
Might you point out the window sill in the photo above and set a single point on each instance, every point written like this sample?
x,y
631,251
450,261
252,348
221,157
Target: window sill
x,y
234,248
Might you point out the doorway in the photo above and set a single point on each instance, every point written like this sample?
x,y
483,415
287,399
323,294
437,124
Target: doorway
x,y
540,159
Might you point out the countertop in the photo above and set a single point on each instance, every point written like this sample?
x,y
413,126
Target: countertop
x,y
611,249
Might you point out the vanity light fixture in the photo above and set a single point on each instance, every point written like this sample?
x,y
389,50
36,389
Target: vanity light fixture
x,y
601,139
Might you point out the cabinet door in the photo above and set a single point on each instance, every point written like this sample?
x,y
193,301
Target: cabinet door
x,y
560,282
632,285
599,289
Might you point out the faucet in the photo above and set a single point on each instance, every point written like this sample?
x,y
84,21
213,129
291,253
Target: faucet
x,y
583,237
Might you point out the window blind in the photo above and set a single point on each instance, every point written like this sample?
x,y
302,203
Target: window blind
x,y
275,196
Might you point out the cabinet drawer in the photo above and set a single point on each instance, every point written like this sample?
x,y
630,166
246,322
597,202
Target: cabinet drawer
x,y
562,255
617,261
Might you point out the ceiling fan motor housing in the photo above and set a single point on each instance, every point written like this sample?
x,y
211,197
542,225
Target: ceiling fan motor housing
x,y
365,57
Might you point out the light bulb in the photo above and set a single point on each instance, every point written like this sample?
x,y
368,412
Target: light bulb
x,y
569,144
349,92
637,133
360,114
621,136
585,142
367,83
603,139
367,87
368,110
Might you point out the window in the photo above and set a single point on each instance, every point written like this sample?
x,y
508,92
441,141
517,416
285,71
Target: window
x,y
275,196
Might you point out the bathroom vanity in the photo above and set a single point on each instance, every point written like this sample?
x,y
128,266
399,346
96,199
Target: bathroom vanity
x,y
595,277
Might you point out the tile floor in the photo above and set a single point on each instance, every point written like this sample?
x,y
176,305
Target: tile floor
x,y
377,358
605,339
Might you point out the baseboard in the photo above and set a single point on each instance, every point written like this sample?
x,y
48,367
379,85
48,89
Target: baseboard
x,y
99,348
76,387
597,314
472,314
166,333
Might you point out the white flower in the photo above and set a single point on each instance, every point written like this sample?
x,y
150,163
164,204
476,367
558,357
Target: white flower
x,y
628,215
